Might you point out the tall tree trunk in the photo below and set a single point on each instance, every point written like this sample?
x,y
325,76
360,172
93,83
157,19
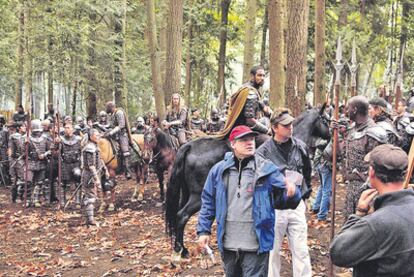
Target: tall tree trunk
x,y
155,59
249,38
120,97
343,14
277,58
174,48
319,85
296,55
188,62
20,57
124,57
265,26
406,9
163,38
221,86
91,64
28,63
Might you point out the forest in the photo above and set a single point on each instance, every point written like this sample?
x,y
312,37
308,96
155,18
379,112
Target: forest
x,y
79,54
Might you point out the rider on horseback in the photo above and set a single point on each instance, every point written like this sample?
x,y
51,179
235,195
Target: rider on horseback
x,y
119,132
246,105
176,118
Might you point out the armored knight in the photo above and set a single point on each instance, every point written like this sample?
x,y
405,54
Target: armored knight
x,y
70,147
39,150
119,132
81,127
215,124
4,159
103,124
140,127
93,166
378,111
246,106
196,122
19,116
16,157
364,135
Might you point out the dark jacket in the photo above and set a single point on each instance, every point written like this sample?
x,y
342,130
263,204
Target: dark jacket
x,y
298,160
382,243
269,180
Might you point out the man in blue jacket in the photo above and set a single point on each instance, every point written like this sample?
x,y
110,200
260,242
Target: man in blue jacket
x,y
241,192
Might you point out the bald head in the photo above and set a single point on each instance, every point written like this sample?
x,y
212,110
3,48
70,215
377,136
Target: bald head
x,y
357,105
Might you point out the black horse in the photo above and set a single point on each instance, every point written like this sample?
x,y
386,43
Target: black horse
x,y
194,161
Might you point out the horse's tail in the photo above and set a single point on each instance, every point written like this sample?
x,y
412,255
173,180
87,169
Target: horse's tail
x,y
174,189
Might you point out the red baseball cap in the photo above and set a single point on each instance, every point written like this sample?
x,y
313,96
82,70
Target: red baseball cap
x,y
241,131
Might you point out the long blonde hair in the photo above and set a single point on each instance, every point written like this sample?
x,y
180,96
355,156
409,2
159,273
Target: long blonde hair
x,y
181,104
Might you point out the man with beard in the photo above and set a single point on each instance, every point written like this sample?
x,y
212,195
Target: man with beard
x,y
246,105
119,132
364,135
176,118
378,111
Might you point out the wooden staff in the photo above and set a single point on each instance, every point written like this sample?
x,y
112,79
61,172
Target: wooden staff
x,y
338,68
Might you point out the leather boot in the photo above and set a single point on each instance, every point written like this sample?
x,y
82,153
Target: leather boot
x,y
127,164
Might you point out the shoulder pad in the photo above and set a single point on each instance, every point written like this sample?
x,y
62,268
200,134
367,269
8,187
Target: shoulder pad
x,y
90,147
378,133
410,129
389,128
16,135
252,94
405,121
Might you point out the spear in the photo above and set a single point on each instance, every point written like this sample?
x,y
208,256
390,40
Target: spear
x,y
338,67
387,74
59,156
353,69
26,161
399,78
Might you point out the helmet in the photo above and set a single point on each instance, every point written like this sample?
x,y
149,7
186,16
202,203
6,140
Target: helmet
x,y
36,125
80,120
46,123
140,120
67,118
108,185
103,114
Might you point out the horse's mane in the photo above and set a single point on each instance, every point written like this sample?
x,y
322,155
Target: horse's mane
x,y
304,115
163,139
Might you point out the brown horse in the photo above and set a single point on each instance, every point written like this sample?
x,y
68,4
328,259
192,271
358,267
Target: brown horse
x,y
159,152
111,162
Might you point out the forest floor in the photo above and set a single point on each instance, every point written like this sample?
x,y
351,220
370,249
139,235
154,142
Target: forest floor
x,y
130,241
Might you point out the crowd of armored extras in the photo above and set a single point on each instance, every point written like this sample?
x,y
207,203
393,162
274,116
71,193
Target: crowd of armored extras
x,y
29,159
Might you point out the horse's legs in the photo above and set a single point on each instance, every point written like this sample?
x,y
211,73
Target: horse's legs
x,y
193,205
138,170
160,175
112,196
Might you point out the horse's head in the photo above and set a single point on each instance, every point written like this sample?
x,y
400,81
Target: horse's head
x,y
150,141
321,124
311,124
